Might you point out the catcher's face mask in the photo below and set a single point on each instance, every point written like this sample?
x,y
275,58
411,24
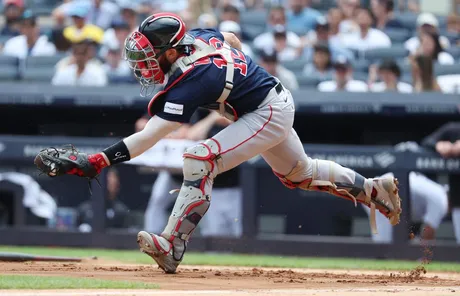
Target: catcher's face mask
x,y
142,58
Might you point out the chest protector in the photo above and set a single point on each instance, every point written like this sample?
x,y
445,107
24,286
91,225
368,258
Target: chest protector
x,y
202,50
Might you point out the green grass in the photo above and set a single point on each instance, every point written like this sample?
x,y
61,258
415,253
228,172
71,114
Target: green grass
x,y
240,260
47,282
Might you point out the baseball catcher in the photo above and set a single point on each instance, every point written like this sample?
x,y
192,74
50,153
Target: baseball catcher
x,y
206,68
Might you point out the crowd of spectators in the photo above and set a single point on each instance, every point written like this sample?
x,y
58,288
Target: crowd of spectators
x,y
325,48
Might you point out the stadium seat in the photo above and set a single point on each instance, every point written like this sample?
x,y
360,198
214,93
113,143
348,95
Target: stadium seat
x,y
258,18
394,52
409,20
4,38
361,66
38,74
8,61
398,35
307,81
253,31
454,51
43,61
362,76
446,69
295,65
8,73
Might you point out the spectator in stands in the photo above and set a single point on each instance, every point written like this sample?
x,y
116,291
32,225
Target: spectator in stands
x,y
269,61
453,24
80,30
12,11
423,74
98,12
115,36
321,66
116,211
232,13
383,12
349,9
234,27
367,37
116,67
426,22
389,73
30,42
446,141
323,35
334,18
301,18
431,47
278,36
81,72
343,79
209,20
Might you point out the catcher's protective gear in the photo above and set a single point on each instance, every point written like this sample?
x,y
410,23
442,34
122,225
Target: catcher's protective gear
x,y
67,160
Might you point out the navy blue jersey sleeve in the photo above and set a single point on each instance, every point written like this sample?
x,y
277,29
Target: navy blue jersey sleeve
x,y
182,101
207,34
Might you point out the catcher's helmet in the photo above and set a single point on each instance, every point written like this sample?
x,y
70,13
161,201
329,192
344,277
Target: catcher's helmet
x,y
156,34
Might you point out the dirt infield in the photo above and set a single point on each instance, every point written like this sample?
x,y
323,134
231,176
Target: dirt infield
x,y
231,281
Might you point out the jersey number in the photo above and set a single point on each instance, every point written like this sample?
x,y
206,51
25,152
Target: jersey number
x,y
238,58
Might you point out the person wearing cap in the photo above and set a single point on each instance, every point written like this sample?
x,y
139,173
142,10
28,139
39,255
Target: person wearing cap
x,y
343,79
426,22
430,46
80,30
115,36
323,35
277,32
269,61
234,27
321,65
389,73
383,12
301,18
367,38
81,72
13,9
30,42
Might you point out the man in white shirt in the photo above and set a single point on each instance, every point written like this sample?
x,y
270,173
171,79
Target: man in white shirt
x,y
426,22
367,37
277,24
389,74
343,79
29,43
235,28
269,61
80,73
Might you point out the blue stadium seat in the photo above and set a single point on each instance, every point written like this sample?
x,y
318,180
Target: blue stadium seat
x,y
398,35
295,65
307,81
4,38
8,73
361,66
362,76
454,51
253,31
8,61
394,52
258,18
44,61
409,20
446,69
38,74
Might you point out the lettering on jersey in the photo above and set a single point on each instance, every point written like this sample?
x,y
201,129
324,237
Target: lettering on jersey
x,y
238,57
172,108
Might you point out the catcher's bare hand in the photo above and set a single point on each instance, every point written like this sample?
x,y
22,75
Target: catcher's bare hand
x,y
65,160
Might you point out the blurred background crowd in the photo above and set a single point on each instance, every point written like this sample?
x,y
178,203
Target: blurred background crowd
x,y
352,45
405,46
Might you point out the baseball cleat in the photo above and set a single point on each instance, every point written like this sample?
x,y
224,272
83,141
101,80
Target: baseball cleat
x,y
160,249
386,199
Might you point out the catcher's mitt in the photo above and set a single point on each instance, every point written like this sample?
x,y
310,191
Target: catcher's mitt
x,y
65,160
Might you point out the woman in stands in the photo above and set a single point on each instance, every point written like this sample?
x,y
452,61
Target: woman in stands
x,y
430,46
423,74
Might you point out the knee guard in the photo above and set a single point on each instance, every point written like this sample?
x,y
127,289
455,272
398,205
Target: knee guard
x,y
194,197
326,176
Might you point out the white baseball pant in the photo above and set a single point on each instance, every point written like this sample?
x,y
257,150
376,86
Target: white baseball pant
x,y
429,205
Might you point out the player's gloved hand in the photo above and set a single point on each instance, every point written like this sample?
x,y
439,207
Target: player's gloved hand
x,y
67,160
